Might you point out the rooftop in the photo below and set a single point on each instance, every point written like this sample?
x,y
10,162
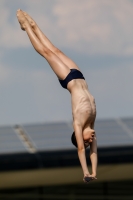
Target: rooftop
x,y
56,136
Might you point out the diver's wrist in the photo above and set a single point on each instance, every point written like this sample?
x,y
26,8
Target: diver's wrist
x,y
86,173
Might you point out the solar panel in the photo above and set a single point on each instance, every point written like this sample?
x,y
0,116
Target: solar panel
x,y
129,123
50,136
111,133
9,142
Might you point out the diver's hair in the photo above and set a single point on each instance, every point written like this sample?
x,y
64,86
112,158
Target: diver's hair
x,y
73,139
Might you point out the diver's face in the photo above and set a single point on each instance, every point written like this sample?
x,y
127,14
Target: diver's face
x,y
88,137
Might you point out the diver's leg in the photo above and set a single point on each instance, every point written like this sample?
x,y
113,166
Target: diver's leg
x,y
60,69
46,42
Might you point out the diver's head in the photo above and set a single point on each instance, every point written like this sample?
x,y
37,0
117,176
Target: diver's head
x,y
73,139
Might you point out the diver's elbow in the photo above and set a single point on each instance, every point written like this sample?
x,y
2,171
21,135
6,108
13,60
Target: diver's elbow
x,y
81,149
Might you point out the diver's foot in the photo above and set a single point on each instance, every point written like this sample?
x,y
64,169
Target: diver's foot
x,y
30,20
22,20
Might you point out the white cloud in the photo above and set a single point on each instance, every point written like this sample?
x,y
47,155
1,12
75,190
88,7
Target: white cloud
x,y
89,26
97,27
10,34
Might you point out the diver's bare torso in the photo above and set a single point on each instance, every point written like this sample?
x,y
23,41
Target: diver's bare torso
x,y
83,103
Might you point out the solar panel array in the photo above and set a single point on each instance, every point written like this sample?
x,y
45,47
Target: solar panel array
x,y
56,136
9,141
129,123
114,133
50,136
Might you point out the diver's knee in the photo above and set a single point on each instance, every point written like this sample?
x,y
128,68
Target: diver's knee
x,y
46,52
57,51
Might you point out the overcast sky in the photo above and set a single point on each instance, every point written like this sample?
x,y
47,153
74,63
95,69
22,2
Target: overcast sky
x,y
97,35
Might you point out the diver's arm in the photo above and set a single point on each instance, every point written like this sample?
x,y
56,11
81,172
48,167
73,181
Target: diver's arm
x,y
93,156
81,148
93,153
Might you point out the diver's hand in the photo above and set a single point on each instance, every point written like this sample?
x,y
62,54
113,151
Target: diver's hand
x,y
93,176
88,178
